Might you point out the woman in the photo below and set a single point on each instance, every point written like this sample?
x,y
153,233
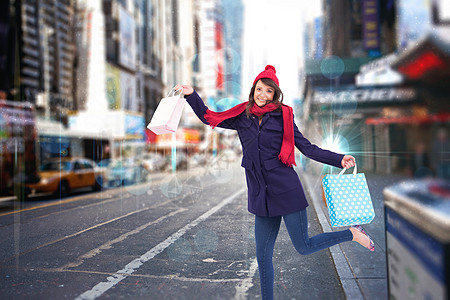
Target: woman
x,y
268,134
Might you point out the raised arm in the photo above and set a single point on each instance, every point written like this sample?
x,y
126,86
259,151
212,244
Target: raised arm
x,y
199,107
324,156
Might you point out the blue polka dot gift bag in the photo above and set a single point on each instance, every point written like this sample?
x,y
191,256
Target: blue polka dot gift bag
x,y
348,199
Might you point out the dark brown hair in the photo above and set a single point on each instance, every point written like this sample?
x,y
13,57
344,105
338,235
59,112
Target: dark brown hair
x,y
276,96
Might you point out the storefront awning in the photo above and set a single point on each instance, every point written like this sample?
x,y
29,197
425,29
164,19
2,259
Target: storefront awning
x,y
428,60
184,137
427,119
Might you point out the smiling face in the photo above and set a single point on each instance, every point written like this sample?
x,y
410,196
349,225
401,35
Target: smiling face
x,y
263,93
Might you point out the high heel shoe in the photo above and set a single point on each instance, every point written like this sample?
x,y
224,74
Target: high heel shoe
x,y
371,247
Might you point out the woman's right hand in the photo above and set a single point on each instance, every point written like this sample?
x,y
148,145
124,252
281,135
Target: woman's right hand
x,y
185,89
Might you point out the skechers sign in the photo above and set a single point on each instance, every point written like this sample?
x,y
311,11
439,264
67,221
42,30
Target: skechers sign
x,y
364,96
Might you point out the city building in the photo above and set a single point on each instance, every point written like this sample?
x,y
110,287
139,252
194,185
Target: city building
x,y
211,42
379,92
354,34
208,64
41,58
142,58
96,70
424,62
178,37
233,17
8,49
407,130
93,127
46,55
38,55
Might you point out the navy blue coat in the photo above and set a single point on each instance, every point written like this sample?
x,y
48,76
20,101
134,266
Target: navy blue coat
x,y
274,189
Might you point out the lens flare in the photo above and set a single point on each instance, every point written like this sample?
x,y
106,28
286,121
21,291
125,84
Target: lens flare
x,y
332,67
336,143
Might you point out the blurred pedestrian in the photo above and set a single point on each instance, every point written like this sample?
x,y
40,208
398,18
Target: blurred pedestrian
x,y
440,158
419,162
268,134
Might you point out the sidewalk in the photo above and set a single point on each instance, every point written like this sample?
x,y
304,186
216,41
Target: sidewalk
x,y
362,273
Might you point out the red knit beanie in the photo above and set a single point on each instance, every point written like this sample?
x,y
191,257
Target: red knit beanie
x,y
269,72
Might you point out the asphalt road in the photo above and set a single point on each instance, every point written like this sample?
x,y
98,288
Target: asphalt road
x,y
180,236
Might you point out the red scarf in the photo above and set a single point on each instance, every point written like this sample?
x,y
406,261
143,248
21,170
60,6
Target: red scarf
x,y
287,147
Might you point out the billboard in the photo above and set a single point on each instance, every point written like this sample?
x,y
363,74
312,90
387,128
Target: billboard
x,y
371,36
318,38
127,40
134,126
220,61
128,92
120,89
113,93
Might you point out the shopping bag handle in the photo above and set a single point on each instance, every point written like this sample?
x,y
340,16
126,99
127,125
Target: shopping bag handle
x,y
344,169
174,91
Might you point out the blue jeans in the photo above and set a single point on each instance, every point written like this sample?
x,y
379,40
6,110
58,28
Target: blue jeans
x,y
266,231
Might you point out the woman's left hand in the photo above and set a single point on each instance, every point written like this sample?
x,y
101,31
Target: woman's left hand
x,y
185,89
348,161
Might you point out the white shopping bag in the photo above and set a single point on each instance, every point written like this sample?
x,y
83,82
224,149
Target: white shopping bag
x,y
168,114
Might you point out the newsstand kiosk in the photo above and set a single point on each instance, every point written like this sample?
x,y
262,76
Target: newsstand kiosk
x,y
417,219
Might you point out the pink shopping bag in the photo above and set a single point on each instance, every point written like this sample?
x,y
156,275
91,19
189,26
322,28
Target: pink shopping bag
x,y
168,114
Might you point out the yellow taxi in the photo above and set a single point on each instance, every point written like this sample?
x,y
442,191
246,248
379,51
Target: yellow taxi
x,y
62,175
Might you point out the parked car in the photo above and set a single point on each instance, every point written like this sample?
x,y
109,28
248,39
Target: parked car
x,y
153,162
62,175
123,172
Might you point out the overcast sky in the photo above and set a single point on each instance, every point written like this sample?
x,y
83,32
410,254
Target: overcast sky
x,y
273,33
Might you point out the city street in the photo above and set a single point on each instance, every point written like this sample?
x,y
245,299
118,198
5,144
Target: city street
x,y
120,178
183,236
